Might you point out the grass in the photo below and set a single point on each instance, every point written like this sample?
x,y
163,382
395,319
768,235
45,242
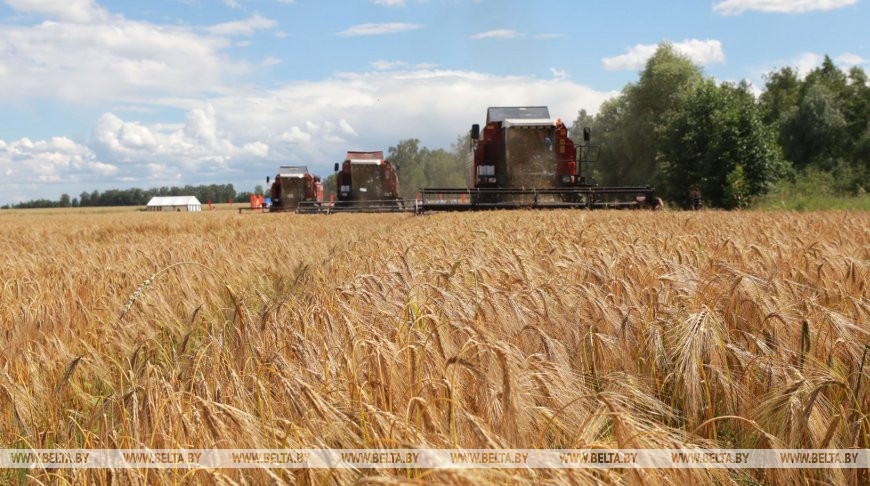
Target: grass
x,y
560,329
815,202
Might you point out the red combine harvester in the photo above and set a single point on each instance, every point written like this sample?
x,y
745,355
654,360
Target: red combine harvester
x,y
525,159
366,182
295,187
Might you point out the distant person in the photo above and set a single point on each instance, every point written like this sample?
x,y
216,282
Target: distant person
x,y
697,201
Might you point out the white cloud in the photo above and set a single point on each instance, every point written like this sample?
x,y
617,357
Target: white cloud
x,y
699,51
346,128
497,34
379,29
510,34
848,60
88,55
81,11
559,74
806,62
243,27
384,65
45,161
390,3
737,7
195,150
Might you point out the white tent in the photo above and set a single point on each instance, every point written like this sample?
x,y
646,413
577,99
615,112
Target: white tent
x,y
174,203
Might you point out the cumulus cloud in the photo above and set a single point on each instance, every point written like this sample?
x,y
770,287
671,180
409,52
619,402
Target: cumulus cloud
x,y
28,164
80,11
390,3
702,52
114,59
737,7
196,146
378,29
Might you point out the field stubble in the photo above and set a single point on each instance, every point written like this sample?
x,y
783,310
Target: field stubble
x,y
513,329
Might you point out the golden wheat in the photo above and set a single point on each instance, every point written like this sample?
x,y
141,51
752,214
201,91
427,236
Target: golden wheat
x,y
559,329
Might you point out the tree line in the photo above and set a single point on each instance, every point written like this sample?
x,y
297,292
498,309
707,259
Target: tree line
x,y
138,197
681,131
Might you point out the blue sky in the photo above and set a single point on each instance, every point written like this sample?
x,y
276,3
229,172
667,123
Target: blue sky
x,y
108,93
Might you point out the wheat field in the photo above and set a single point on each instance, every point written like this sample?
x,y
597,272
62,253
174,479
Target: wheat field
x,y
560,329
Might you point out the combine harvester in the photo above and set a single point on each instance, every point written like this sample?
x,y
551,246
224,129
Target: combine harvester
x,y
295,187
365,183
525,159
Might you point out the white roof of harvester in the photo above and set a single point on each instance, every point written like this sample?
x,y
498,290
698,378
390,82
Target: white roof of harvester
x,y
528,122
497,114
293,171
174,201
367,158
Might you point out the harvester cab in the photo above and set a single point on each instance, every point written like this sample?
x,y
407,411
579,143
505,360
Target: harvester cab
x,y
293,186
367,181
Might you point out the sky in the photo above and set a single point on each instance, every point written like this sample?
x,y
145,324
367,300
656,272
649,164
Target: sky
x,y
99,94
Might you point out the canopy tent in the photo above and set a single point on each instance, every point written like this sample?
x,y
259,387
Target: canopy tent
x,y
174,203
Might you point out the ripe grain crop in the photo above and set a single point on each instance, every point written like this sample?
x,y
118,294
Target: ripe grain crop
x,y
561,329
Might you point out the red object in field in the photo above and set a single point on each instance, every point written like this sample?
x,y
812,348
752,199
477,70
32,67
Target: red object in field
x,y
521,147
294,185
365,177
209,205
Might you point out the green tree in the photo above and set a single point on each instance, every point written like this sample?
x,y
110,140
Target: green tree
x,y
627,126
407,159
329,186
715,140
782,91
65,201
814,132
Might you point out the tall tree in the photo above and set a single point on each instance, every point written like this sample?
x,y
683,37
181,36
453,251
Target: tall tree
x,y
406,157
814,132
715,140
782,90
627,126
